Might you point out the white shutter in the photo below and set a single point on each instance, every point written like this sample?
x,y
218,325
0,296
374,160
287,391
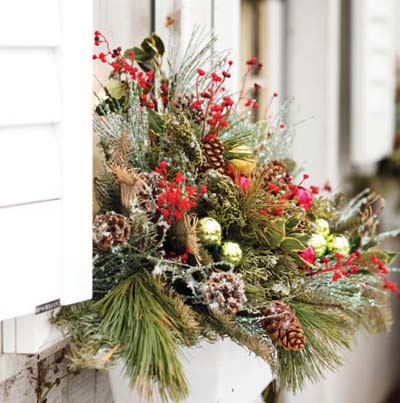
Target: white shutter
x,y
45,155
373,80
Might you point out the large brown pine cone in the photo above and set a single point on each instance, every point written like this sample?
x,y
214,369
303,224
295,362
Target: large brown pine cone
x,y
111,230
282,325
214,151
276,173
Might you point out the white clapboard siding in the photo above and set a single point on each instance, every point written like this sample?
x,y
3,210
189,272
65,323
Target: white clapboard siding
x,y
312,78
45,162
188,15
226,26
373,80
124,22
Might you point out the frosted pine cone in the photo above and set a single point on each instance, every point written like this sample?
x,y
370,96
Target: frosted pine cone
x,y
225,292
282,325
111,230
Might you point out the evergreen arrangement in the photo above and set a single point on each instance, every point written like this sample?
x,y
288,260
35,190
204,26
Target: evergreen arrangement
x,y
206,229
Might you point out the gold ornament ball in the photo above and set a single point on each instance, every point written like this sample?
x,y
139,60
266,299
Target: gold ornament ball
x,y
209,231
231,253
318,243
246,165
338,244
321,226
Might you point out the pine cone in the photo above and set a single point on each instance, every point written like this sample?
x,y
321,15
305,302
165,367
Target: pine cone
x,y
282,325
276,173
214,151
224,291
111,230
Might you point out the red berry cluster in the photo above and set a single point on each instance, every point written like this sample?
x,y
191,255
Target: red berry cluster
x,y
176,197
182,258
253,66
213,111
345,266
121,65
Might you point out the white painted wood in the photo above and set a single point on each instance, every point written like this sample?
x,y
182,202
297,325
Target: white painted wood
x,y
275,66
9,336
164,9
193,13
226,26
217,373
29,23
35,334
124,22
373,80
76,145
29,163
30,86
30,257
313,81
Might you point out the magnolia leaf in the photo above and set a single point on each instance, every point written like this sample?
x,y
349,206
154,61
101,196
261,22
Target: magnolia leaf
x,y
275,232
300,236
299,260
149,47
115,88
290,244
127,53
155,121
292,222
159,44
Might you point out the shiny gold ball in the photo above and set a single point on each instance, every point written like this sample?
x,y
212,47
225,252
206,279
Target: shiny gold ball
x,y
318,243
209,231
321,226
231,253
246,165
338,244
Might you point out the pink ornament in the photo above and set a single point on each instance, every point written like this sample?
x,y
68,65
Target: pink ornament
x,y
243,182
304,197
308,255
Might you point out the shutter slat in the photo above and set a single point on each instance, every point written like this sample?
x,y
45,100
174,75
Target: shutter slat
x,y
30,257
30,90
29,23
30,164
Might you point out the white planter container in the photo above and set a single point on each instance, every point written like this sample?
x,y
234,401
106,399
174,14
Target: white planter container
x,y
218,373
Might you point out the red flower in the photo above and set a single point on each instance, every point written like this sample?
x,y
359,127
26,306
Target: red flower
x,y
243,182
201,72
304,197
308,255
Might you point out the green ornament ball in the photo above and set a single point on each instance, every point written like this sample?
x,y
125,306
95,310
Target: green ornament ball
x,y
231,253
318,243
321,226
209,231
338,244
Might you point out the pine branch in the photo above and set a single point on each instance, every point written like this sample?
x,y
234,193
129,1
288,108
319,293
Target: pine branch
x,y
142,319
